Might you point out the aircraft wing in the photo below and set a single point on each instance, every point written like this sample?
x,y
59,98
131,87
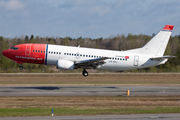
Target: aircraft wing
x,y
91,63
161,58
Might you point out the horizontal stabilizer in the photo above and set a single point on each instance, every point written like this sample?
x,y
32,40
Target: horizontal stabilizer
x,y
162,58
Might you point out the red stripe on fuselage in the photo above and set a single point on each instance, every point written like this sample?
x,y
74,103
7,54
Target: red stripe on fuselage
x,y
28,53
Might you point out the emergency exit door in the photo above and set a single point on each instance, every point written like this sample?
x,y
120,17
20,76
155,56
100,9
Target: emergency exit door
x,y
136,60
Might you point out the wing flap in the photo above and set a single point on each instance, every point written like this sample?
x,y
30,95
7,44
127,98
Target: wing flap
x,y
91,62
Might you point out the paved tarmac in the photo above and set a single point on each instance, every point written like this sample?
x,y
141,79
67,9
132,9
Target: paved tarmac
x,y
88,90
92,90
103,117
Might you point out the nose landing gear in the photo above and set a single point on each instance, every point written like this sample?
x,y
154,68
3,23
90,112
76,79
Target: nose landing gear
x,y
85,73
21,67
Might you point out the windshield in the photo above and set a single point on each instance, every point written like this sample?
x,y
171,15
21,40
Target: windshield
x,y
14,48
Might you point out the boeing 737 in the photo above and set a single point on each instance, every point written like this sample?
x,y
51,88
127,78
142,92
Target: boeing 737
x,y
69,58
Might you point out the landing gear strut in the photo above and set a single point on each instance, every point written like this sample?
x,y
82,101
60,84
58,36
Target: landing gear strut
x,y
85,73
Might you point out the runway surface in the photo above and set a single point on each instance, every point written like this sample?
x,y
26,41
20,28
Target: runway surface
x,y
103,117
88,90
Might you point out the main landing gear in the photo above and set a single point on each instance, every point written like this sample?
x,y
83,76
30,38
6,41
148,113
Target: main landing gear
x,y
85,73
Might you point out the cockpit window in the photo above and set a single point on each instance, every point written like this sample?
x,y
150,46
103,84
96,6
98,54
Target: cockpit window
x,y
14,48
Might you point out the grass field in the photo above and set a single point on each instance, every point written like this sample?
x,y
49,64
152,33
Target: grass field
x,y
87,105
91,79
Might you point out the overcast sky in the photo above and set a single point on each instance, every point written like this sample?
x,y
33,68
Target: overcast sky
x,y
87,18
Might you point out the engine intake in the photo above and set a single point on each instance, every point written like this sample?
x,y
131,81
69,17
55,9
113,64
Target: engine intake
x,y
65,65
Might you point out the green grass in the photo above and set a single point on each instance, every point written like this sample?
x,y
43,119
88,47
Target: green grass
x,y
9,112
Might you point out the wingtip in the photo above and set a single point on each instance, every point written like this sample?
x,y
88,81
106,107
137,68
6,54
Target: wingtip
x,y
168,27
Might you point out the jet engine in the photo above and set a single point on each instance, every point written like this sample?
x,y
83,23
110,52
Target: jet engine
x,y
65,65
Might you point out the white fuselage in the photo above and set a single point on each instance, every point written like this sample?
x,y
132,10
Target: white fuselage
x,y
118,60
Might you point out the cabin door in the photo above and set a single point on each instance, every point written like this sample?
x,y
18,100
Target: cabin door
x,y
28,50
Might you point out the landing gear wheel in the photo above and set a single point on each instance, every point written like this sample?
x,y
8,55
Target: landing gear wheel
x,y
20,67
85,73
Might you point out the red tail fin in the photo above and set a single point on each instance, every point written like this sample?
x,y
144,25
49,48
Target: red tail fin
x,y
168,27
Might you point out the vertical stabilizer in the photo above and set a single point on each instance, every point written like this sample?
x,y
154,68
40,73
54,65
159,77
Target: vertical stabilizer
x,y
157,45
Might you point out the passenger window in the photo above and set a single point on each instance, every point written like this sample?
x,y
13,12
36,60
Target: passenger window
x,y
86,55
69,53
74,54
36,50
94,56
123,59
33,50
51,52
56,52
115,58
118,58
80,54
83,55
59,52
41,51
64,53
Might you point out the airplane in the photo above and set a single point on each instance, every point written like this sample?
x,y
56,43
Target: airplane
x,y
69,58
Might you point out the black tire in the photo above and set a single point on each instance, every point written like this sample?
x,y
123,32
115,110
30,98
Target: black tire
x,y
21,67
85,73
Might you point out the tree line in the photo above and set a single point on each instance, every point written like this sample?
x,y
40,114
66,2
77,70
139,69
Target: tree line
x,y
118,42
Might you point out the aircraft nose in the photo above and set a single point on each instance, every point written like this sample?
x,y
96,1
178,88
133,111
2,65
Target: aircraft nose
x,y
5,52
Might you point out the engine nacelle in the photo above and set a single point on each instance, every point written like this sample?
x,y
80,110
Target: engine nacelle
x,y
65,65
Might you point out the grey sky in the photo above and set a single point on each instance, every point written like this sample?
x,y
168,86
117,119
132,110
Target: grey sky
x,y
87,18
